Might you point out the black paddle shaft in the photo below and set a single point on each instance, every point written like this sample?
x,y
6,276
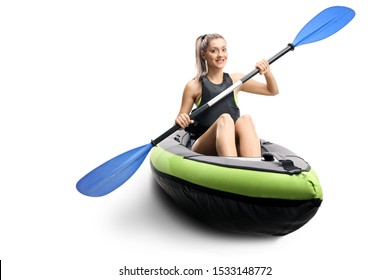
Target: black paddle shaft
x,y
206,106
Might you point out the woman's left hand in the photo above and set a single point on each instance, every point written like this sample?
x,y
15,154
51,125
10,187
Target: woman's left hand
x,y
263,66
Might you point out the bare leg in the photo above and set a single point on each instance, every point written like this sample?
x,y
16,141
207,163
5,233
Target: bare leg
x,y
248,141
219,139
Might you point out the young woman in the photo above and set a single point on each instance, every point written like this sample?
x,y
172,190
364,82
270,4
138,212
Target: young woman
x,y
221,130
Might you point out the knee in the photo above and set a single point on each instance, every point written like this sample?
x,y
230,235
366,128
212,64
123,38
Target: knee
x,y
225,120
244,121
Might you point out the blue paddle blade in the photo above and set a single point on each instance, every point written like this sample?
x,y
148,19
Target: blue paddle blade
x,y
113,173
323,25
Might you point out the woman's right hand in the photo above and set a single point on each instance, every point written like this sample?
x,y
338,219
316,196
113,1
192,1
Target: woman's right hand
x,y
183,120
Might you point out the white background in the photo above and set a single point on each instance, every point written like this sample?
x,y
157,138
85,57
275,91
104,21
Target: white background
x,y
83,81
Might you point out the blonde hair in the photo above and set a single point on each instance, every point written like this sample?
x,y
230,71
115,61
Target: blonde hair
x,y
201,44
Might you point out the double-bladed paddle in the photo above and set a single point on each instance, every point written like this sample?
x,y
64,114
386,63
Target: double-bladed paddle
x,y
113,173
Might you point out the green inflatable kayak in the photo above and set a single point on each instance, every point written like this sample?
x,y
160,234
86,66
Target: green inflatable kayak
x,y
273,195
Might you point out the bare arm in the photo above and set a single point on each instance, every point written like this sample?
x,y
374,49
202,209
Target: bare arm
x,y
191,92
270,87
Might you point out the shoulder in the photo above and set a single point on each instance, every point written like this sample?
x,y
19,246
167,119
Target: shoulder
x,y
193,88
193,85
236,76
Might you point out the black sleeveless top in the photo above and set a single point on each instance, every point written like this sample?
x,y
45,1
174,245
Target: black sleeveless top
x,y
225,105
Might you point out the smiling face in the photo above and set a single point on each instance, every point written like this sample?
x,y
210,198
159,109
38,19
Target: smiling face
x,y
216,53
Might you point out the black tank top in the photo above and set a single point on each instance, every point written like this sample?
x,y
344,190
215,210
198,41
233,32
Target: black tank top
x,y
225,105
